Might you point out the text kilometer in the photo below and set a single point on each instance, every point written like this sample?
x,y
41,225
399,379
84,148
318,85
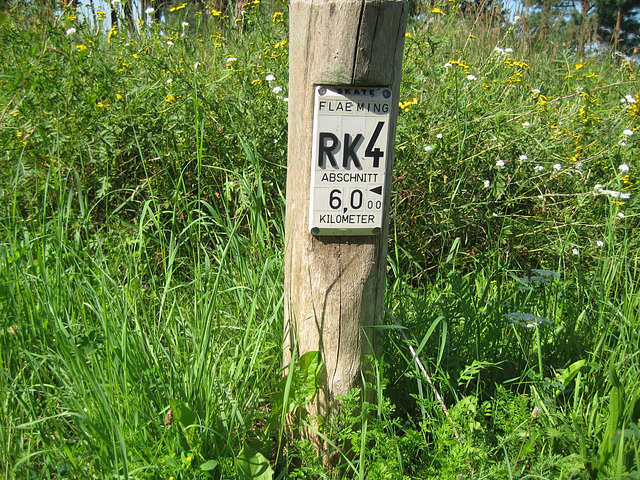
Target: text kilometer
x,y
345,218
356,107
349,177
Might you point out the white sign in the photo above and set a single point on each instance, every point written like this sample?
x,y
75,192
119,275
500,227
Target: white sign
x,y
349,158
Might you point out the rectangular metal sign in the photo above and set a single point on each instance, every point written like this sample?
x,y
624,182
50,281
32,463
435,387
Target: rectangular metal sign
x,y
349,158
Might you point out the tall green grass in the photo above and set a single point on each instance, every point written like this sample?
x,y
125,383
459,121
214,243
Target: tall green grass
x,y
141,246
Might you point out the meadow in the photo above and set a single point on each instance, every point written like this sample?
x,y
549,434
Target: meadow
x,y
142,175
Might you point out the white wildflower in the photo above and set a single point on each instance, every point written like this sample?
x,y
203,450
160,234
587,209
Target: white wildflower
x,y
557,166
270,78
627,132
487,184
620,215
538,168
471,77
276,90
71,31
600,244
624,167
500,163
526,124
524,157
150,10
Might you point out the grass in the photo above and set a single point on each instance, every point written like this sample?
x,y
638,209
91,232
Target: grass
x,y
141,257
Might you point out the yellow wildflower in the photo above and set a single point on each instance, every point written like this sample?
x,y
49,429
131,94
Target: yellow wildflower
x,y
437,10
19,134
404,106
277,17
170,99
408,35
102,105
179,7
112,32
81,47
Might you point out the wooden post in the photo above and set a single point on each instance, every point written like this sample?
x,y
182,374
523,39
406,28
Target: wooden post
x,y
334,285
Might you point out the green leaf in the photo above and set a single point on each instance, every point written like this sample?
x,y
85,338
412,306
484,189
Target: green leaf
x,y
209,466
183,414
305,379
569,373
252,465
310,374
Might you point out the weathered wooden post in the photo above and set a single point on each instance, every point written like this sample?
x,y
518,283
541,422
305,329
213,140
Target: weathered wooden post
x,y
345,68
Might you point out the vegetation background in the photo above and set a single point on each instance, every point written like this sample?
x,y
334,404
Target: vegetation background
x,y
141,245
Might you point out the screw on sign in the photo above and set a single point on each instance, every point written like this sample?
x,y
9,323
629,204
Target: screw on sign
x,y
349,155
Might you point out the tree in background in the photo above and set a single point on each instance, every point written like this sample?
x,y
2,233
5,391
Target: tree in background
x,y
577,23
618,22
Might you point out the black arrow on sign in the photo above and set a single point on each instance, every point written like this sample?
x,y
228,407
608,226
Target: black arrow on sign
x,y
377,190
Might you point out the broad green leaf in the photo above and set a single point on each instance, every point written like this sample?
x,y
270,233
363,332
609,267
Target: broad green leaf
x,y
252,465
183,414
209,466
570,373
